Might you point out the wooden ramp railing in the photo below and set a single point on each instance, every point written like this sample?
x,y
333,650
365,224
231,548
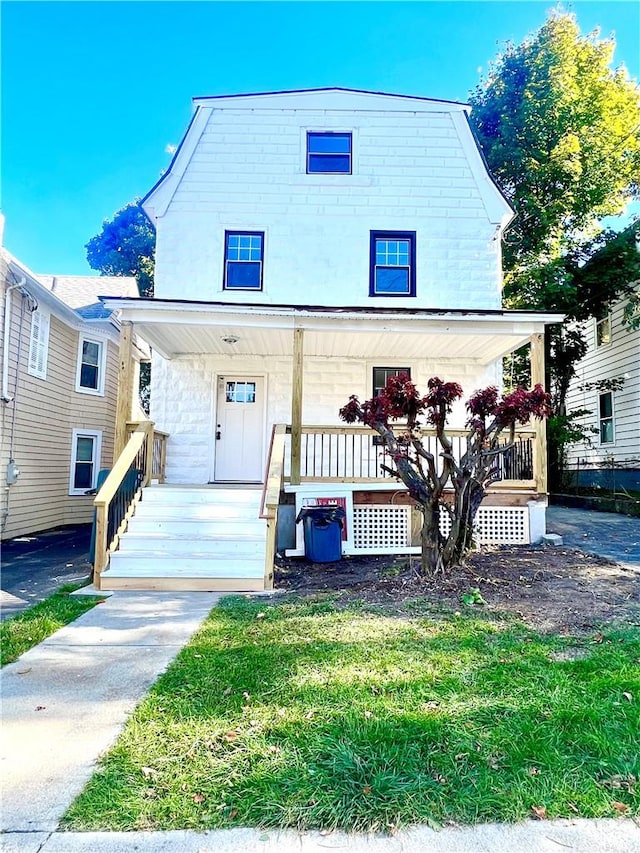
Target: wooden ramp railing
x,y
273,481
142,460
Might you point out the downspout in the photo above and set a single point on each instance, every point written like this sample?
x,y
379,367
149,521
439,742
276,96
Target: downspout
x,y
6,398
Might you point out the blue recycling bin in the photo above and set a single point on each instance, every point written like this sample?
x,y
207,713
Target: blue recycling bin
x,y
322,527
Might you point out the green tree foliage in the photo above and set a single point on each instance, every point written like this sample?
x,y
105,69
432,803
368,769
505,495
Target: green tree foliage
x,y
125,246
561,133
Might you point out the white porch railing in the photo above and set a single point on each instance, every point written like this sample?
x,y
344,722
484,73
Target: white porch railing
x,y
353,454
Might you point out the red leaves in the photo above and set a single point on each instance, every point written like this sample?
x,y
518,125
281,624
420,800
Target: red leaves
x,y
400,399
515,408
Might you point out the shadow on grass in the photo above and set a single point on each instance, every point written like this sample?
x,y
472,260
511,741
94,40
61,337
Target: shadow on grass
x,y
301,715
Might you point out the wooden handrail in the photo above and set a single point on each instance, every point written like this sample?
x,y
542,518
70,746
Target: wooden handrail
x,y
116,475
274,477
104,542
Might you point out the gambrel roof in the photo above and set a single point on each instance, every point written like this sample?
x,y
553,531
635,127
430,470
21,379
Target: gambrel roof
x,y
498,209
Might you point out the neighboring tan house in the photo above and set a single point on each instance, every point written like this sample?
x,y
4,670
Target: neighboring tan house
x,y
612,457
59,351
310,244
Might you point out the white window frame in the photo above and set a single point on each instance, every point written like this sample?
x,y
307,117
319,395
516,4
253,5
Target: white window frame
x,y
601,323
99,391
96,435
612,419
39,344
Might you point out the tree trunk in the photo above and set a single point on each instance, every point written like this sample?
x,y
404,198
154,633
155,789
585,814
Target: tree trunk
x,y
431,563
460,538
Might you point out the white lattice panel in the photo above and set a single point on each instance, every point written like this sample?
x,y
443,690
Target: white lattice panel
x,y
382,529
497,525
503,525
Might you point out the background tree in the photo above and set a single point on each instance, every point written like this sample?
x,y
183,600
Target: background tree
x,y
561,133
126,246
430,478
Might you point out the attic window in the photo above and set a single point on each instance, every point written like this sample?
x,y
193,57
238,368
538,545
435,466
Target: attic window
x,y
329,153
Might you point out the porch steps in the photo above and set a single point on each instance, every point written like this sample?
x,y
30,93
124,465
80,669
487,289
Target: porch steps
x,y
188,538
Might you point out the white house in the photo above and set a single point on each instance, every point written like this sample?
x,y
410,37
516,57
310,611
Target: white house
x,y
611,458
308,244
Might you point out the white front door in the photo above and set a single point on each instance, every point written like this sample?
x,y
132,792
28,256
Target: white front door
x,y
239,433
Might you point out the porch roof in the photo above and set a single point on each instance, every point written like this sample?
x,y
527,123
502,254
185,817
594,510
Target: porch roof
x,y
176,327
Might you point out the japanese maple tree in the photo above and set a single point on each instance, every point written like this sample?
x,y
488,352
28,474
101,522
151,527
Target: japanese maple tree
x,y
441,483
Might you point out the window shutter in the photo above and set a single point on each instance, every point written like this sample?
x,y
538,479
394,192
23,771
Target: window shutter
x,y
38,344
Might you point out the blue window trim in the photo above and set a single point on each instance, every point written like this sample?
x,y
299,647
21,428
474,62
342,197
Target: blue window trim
x,y
234,233
328,155
392,235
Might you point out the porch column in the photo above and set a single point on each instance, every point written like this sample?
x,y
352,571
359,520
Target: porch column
x,y
125,388
296,405
540,440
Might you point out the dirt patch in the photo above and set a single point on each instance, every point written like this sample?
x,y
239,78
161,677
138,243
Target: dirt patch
x,y
551,589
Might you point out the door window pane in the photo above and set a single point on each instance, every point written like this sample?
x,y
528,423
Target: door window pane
x,y
241,392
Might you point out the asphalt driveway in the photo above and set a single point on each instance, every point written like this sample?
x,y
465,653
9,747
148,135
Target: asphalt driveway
x,y
35,566
607,534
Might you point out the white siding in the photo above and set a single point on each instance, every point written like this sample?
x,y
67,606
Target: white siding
x,y
184,389
620,358
411,173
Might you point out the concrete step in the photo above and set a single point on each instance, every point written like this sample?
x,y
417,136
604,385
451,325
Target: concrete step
x,y
188,527
181,545
159,564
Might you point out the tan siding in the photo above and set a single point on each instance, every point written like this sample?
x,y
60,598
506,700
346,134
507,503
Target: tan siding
x,y
46,412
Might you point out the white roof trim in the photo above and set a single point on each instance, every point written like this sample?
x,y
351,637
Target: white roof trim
x,y
157,200
498,209
158,310
330,98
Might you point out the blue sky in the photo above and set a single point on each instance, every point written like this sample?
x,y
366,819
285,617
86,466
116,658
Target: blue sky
x,y
93,93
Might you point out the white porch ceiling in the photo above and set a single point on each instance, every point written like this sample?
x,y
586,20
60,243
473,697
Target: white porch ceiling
x,y
175,329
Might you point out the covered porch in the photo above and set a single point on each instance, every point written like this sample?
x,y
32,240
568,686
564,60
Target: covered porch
x,y
311,359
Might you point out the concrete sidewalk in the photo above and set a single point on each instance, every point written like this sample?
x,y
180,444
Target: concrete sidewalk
x,y
65,701
579,836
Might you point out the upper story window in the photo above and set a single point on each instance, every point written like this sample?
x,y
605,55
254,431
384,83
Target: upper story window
x,y
38,344
382,374
329,153
243,257
392,264
605,411
603,330
90,373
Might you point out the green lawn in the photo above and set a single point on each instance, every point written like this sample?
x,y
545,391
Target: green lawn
x,y
303,715
25,630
